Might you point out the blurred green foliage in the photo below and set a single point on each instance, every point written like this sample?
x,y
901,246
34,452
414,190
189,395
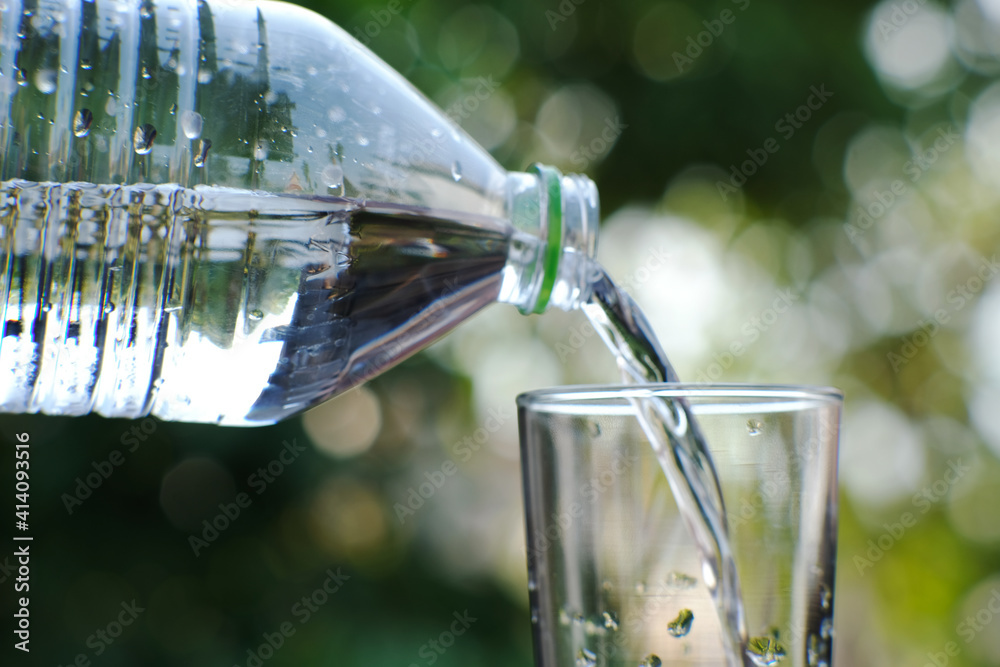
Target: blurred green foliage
x,y
683,133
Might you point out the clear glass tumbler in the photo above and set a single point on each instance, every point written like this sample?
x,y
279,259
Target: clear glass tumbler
x,y
614,576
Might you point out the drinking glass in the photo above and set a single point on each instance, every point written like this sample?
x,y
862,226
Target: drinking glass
x,y
614,575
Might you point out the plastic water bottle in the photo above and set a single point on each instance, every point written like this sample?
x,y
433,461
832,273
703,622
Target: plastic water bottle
x,y
228,212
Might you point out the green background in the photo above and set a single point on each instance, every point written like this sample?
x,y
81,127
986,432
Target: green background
x,y
919,398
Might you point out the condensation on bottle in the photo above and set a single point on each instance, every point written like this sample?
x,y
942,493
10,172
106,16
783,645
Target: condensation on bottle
x,y
229,212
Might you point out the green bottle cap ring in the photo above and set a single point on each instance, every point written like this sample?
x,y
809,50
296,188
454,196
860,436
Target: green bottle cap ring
x,y
550,178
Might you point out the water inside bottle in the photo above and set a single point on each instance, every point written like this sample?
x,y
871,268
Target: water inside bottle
x,y
222,305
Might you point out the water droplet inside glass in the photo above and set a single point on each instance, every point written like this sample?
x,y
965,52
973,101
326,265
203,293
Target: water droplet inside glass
x,y
256,315
81,122
651,660
765,651
681,625
202,155
610,620
191,124
754,427
681,580
142,138
45,80
456,171
586,658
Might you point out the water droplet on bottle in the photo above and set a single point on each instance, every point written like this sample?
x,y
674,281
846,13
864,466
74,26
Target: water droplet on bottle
x,y
681,625
145,73
109,308
586,658
142,139
46,307
826,628
578,619
362,140
534,616
81,122
311,71
594,429
202,155
45,80
256,315
336,114
532,584
204,75
333,176
607,585
754,427
191,124
261,150
85,64
456,171
564,617
145,11
610,620
640,587
765,651
437,132
651,660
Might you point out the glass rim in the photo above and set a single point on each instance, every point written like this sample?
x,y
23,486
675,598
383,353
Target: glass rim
x,y
778,397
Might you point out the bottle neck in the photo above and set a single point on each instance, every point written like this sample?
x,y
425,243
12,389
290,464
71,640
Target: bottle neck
x,y
555,220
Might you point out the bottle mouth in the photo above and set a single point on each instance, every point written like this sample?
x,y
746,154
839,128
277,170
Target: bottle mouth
x,y
580,220
555,220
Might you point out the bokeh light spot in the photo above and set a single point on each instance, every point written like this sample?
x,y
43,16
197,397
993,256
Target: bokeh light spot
x,y
345,426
